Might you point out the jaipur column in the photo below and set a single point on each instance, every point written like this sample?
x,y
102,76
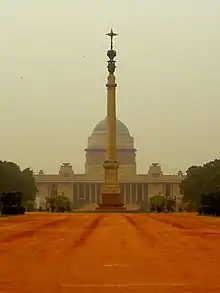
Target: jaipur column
x,y
111,197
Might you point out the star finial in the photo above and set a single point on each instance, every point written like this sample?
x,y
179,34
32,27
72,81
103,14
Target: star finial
x,y
111,35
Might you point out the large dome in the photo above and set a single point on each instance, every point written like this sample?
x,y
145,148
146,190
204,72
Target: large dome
x,y
101,127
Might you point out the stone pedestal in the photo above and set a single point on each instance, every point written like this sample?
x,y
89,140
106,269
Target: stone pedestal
x,y
111,196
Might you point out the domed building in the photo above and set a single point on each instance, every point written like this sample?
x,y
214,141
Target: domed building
x,y
85,188
96,150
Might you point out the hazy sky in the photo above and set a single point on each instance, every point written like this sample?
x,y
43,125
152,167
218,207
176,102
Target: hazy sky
x,y
168,63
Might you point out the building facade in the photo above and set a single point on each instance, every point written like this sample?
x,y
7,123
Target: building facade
x,y
85,188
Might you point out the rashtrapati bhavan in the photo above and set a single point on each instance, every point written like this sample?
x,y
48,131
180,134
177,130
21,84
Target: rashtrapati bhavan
x,y
110,165
86,188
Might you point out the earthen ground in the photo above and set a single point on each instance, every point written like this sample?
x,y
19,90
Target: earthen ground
x,y
103,253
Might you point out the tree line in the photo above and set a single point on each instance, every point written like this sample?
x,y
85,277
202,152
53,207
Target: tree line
x,y
18,191
17,188
201,188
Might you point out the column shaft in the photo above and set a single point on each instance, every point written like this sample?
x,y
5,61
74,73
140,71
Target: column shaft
x,y
111,118
90,194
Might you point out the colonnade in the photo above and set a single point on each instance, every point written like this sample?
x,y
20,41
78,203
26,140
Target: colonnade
x,y
132,193
81,193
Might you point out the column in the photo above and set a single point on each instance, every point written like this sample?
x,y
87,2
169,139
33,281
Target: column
x,y
125,196
147,194
130,193
134,193
84,192
96,198
74,194
90,194
122,191
127,193
136,197
77,195
111,118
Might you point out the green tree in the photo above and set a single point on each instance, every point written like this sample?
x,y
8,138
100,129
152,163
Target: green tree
x,y
170,204
157,200
200,180
57,202
12,179
51,200
29,188
62,204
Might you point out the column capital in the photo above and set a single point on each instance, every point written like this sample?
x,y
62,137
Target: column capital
x,y
111,85
111,80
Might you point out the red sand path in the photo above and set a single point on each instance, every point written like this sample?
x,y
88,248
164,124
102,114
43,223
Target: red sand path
x,y
109,253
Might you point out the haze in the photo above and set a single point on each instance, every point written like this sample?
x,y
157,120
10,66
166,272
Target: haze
x,y
53,74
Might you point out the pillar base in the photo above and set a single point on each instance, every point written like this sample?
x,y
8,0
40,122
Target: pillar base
x,y
111,194
111,199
